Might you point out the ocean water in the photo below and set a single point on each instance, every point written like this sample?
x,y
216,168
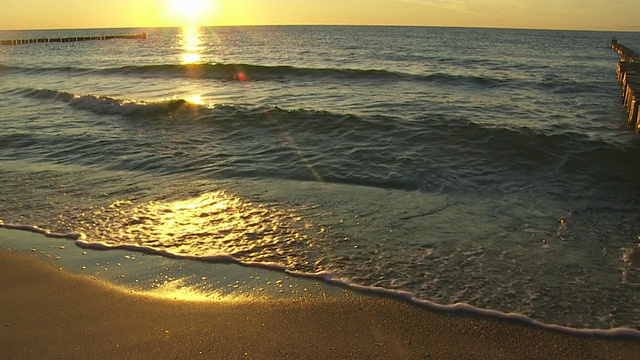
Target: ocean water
x,y
478,166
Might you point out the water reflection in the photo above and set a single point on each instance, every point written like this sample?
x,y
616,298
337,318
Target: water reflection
x,y
631,269
191,44
185,290
210,225
195,99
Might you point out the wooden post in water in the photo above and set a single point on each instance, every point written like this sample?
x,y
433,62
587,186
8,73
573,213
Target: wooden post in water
x,y
628,73
73,39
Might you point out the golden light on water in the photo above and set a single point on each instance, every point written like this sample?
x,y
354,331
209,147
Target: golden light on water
x,y
191,44
211,224
183,290
195,99
190,58
192,41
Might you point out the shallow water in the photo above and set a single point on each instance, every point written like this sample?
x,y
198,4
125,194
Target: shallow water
x,y
489,167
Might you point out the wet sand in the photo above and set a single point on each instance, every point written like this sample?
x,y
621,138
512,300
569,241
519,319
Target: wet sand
x,y
50,314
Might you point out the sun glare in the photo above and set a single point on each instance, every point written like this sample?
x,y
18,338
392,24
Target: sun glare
x,y
190,40
195,99
192,12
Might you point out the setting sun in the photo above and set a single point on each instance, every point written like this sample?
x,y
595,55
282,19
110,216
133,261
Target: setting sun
x,y
191,12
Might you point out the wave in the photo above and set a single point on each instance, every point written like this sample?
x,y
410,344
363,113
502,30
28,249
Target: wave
x,y
333,278
105,105
285,73
249,72
67,70
475,152
228,72
45,232
252,72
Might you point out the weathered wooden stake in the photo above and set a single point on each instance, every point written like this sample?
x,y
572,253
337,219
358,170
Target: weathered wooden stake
x,y
73,39
628,73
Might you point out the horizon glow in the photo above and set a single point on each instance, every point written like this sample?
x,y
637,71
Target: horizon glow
x,y
618,15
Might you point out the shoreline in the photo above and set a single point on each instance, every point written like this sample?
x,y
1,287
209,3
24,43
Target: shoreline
x,y
56,314
186,278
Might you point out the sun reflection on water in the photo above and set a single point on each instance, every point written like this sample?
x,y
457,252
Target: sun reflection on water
x,y
195,99
214,224
192,45
190,58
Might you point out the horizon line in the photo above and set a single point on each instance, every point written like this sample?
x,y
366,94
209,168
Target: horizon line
x,y
631,29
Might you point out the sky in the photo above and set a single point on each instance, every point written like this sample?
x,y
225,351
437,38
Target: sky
x,y
617,15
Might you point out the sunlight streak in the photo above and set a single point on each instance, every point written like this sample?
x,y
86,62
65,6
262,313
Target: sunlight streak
x,y
195,99
192,45
190,58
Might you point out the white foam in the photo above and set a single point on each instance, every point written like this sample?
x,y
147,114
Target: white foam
x,y
331,278
463,307
45,232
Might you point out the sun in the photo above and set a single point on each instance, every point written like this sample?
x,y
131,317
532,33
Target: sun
x,y
191,12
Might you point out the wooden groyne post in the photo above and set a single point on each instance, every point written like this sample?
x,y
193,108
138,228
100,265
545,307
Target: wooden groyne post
x,y
72,39
629,75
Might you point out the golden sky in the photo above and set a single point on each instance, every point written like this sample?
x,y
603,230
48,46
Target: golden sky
x,y
617,15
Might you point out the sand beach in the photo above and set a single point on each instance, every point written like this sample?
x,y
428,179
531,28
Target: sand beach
x,y
53,314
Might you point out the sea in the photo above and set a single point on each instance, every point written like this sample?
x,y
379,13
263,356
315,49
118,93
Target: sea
x,y
486,167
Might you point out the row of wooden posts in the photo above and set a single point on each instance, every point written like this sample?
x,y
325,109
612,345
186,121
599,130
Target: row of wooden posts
x,y
72,39
629,75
